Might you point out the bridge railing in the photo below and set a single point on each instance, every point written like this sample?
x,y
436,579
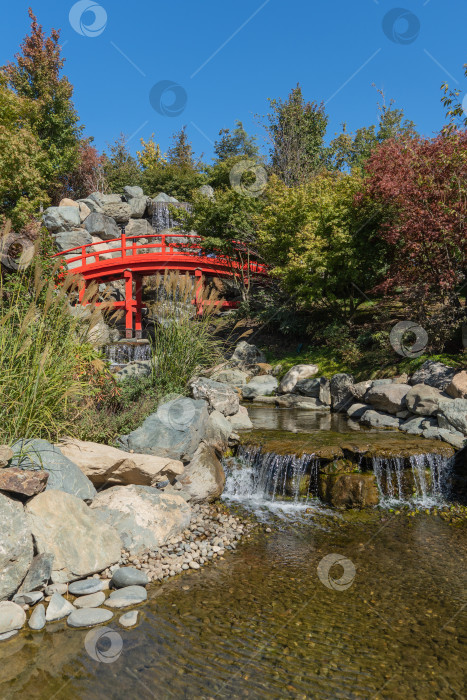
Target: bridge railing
x,y
158,244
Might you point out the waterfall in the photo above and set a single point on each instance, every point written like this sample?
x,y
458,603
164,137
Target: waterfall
x,y
425,483
162,218
261,478
121,353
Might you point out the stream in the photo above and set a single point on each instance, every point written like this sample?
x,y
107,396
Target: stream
x,y
318,603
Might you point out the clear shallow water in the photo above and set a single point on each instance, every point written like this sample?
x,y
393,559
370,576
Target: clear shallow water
x,y
261,624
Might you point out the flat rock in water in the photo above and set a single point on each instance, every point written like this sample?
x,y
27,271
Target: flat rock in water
x,y
8,635
12,617
128,576
90,601
28,598
89,617
86,587
56,588
37,619
124,597
129,619
58,608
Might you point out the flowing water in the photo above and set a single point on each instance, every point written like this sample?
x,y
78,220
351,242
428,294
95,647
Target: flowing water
x,y
320,604
121,353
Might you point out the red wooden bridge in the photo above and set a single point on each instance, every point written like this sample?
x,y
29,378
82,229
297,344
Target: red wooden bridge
x,y
129,259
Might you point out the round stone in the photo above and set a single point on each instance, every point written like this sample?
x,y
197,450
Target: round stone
x,y
90,601
37,619
89,617
28,598
86,587
124,597
12,617
129,576
129,619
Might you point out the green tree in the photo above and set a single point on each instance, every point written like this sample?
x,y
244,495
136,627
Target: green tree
x,y
120,167
235,143
36,75
296,129
455,112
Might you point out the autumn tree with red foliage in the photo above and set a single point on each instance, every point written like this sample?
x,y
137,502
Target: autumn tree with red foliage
x,y
422,186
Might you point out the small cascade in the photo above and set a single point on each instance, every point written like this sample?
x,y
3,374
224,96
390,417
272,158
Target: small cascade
x,y
262,478
121,353
425,483
162,218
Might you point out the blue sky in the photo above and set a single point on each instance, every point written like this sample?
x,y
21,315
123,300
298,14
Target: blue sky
x,y
229,57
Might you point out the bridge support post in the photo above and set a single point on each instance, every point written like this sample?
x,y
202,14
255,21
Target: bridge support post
x,y
139,305
199,292
128,275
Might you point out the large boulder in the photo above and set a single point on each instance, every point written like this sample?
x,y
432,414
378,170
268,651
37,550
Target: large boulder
x,y
241,420
218,431
360,388
294,375
453,413
145,517
132,192
66,240
16,548
64,475
174,431
457,389
434,374
246,354
424,400
82,544
91,204
234,377
220,397
204,477
102,226
341,391
102,199
390,398
349,490
39,573
325,391
61,218
308,387
120,211
375,419
138,206
108,465
140,227
264,385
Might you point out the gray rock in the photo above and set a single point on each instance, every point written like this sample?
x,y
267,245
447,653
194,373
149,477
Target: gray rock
x,y
220,397
308,387
132,192
56,588
431,434
434,374
138,206
241,420
294,375
8,635
81,542
102,226
246,354
145,517
413,426
304,403
390,398
16,547
218,431
90,601
72,239
341,391
234,377
12,617
204,477
424,400
324,391
124,597
360,388
454,438
39,573
375,419
140,227
89,617
58,608
129,619
454,411
356,410
92,205
37,620
128,576
64,475
382,382
162,197
61,218
120,211
28,598
174,431
138,368
86,587
264,385
6,453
